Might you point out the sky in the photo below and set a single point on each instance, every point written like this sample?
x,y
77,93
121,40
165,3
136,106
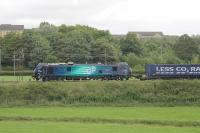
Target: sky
x,y
173,17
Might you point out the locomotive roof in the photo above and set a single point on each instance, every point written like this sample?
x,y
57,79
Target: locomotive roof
x,y
80,65
65,64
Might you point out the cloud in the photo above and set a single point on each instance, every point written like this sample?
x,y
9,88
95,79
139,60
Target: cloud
x,y
169,16
153,10
121,16
75,2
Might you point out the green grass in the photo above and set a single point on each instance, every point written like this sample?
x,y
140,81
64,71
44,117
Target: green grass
x,y
71,115
60,127
16,78
100,120
126,113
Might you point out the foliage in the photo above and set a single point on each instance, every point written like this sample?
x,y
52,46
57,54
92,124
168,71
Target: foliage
x,y
75,46
101,93
186,47
37,49
104,48
131,44
11,45
84,44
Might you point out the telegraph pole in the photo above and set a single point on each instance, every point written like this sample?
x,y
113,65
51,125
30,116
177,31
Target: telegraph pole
x,y
105,57
14,67
22,61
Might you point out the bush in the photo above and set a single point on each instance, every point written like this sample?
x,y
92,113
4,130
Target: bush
x,y
118,93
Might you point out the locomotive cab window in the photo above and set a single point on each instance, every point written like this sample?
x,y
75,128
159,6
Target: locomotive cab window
x,y
69,69
100,71
114,69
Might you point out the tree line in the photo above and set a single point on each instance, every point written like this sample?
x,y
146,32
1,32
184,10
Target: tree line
x,y
84,44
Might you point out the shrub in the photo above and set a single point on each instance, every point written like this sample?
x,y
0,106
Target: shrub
x,y
119,93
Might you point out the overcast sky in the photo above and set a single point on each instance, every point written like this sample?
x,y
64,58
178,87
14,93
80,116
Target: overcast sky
x,y
117,16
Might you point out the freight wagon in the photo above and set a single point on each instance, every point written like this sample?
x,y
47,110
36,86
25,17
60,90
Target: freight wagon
x,y
70,71
172,71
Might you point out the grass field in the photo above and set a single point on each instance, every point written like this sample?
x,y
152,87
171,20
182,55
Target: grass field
x,y
95,106
60,127
100,120
16,78
130,113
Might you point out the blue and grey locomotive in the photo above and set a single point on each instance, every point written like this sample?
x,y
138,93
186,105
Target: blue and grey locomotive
x,y
70,71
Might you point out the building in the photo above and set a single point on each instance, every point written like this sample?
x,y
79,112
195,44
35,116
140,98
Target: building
x,y
7,28
148,34
141,35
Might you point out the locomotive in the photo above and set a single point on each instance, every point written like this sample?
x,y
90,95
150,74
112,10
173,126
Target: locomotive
x,y
71,71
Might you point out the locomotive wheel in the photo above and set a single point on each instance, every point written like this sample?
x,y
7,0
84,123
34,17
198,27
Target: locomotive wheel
x,y
45,79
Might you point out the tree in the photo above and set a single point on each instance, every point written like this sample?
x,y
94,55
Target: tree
x,y
11,44
37,49
65,29
102,49
134,60
186,47
85,44
50,32
75,46
131,44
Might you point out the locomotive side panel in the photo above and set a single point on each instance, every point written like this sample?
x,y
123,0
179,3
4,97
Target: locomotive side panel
x,y
82,71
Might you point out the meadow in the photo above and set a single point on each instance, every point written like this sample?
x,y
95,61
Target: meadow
x,y
15,78
60,127
113,113
164,106
100,119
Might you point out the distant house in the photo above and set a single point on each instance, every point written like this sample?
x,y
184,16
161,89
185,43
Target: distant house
x,y
141,35
119,36
148,34
7,28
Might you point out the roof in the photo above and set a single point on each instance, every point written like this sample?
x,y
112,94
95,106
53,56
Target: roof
x,y
148,33
9,27
118,35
